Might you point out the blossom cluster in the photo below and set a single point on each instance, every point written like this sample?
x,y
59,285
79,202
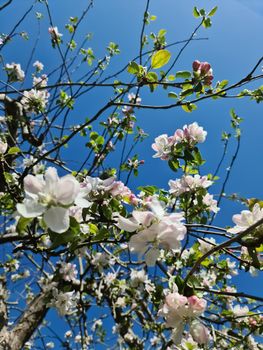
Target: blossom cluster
x,y
190,135
179,310
155,229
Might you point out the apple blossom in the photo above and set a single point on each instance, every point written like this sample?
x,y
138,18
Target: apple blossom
x,y
179,310
55,35
246,219
3,147
38,65
162,146
156,229
14,72
199,332
191,134
35,101
188,183
51,196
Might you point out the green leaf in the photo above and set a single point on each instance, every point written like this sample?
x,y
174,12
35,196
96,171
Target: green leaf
x,y
190,107
160,58
133,68
187,92
171,77
172,94
183,74
223,84
162,32
13,150
196,12
174,164
207,22
22,224
152,76
213,11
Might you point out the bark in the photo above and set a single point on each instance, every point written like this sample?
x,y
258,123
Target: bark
x,y
15,338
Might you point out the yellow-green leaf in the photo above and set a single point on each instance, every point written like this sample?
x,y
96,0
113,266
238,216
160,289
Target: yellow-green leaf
x,y
160,58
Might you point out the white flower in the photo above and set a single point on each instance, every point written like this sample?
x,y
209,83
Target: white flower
x,y
199,332
192,134
162,146
246,219
137,277
65,303
51,196
69,272
240,311
188,183
40,81
14,72
206,245
209,200
55,35
35,101
3,147
39,66
178,310
156,229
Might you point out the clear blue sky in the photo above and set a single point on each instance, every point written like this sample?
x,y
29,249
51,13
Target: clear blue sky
x,y
233,47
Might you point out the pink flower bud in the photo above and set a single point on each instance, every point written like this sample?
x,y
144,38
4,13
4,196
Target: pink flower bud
x,y
197,304
196,65
205,66
199,332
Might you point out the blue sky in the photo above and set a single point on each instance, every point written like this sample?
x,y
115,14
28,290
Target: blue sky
x,y
233,48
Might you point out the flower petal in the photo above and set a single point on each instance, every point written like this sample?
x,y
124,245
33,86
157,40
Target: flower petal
x,y
30,208
57,219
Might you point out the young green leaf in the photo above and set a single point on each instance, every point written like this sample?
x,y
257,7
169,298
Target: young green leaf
x,y
133,68
213,11
196,12
183,74
160,58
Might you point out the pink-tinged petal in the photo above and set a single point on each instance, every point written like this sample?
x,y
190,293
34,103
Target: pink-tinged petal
x,y
156,208
67,190
199,332
57,219
151,256
30,209
126,224
51,179
33,184
143,217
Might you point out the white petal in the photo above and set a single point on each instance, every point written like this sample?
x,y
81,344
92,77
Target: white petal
x,y
57,219
82,202
67,190
51,178
151,256
126,224
157,208
33,184
30,209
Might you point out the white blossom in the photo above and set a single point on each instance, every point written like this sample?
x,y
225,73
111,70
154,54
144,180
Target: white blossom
x,y
156,229
162,146
14,72
188,183
51,196
246,219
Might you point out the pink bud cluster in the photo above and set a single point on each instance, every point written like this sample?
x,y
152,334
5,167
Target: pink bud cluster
x,y
203,71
